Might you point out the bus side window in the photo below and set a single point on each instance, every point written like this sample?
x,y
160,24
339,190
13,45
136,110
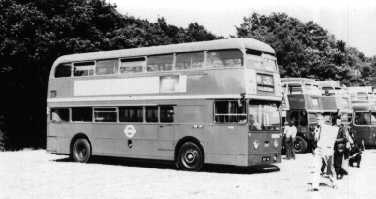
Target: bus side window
x,y
82,114
63,70
105,114
225,58
167,114
131,114
151,113
60,115
159,63
105,67
132,65
189,60
84,68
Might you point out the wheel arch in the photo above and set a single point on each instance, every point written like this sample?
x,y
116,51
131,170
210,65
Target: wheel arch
x,y
77,136
188,139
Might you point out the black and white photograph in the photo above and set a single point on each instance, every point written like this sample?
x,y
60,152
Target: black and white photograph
x,y
187,99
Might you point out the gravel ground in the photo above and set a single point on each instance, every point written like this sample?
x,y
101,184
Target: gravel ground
x,y
37,174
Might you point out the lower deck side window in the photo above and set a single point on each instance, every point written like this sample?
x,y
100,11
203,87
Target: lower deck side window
x,y
82,114
60,115
105,114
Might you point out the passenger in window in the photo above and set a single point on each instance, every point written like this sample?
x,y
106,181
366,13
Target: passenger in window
x,y
254,126
55,116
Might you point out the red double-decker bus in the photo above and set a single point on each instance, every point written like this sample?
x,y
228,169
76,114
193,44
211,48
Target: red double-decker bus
x,y
192,103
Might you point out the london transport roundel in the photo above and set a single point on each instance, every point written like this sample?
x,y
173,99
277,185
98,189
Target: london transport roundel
x,y
129,131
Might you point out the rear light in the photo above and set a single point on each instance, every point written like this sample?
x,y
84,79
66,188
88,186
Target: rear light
x,y
256,144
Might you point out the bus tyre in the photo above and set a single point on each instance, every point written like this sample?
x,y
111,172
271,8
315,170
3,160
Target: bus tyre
x,y
81,150
300,145
190,157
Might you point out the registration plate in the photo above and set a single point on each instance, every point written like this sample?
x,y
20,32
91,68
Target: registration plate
x,y
276,136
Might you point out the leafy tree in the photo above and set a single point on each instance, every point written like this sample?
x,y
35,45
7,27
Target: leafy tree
x,y
33,33
304,49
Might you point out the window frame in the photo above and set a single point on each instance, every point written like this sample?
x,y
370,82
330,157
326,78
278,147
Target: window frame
x,y
130,58
360,125
204,52
230,114
71,70
130,106
92,114
115,68
206,58
164,54
69,115
104,107
94,69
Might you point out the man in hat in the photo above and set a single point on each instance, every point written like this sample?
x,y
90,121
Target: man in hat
x,y
325,137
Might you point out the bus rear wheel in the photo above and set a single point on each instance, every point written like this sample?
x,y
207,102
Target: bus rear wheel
x,y
300,145
81,150
190,157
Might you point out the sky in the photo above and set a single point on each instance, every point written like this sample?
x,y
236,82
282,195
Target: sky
x,y
351,21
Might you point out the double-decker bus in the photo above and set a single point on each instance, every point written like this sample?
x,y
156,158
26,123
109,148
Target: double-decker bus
x,y
364,117
193,103
304,103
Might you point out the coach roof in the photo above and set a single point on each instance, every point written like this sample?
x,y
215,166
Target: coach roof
x,y
219,44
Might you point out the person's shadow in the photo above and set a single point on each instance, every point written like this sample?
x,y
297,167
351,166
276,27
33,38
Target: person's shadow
x,y
161,164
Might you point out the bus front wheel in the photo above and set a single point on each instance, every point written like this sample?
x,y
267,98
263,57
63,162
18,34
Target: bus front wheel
x,y
190,157
300,145
81,150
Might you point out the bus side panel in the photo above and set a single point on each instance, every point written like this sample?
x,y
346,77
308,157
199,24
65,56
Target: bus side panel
x,y
60,135
227,144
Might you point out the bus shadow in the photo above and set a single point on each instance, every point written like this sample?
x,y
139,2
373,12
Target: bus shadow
x,y
158,164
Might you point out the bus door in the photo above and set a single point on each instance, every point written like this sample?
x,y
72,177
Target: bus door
x,y
165,131
361,128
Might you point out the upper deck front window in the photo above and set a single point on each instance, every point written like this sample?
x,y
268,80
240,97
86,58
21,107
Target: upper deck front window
x,y
261,61
224,58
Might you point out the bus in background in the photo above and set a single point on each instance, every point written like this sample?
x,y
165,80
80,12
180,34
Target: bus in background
x,y
304,103
336,101
211,102
364,117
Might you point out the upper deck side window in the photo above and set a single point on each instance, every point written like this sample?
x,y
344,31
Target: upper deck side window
x,y
63,70
224,58
84,68
132,65
106,67
190,60
159,63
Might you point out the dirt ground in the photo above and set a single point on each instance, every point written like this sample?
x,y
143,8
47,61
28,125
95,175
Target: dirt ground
x,y
37,174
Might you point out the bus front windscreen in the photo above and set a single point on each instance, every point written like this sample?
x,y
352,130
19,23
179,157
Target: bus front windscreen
x,y
263,117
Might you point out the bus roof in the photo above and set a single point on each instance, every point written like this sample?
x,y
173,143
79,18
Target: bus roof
x,y
219,44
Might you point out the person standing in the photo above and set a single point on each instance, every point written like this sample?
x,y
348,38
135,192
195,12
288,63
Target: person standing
x,y
290,135
340,149
325,137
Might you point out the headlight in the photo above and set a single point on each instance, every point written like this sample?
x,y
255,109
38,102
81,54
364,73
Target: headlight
x,y
275,143
256,144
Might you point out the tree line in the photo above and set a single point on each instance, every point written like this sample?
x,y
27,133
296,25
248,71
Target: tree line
x,y
34,33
